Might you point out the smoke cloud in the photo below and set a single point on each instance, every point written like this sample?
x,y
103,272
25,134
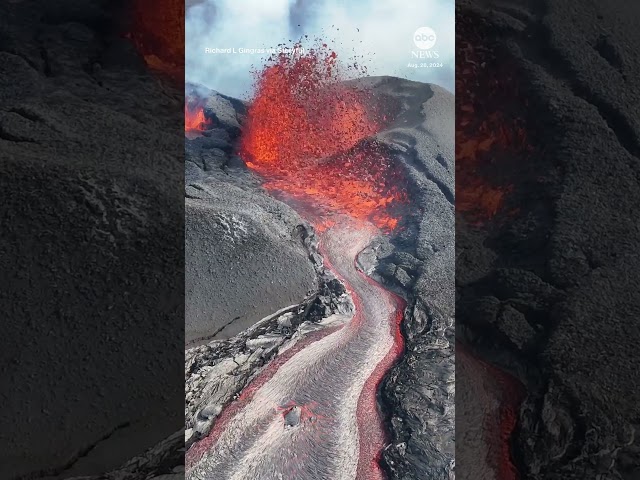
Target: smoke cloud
x,y
379,34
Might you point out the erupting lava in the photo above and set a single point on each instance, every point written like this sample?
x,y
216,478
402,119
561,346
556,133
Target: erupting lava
x,y
158,33
488,131
304,134
194,119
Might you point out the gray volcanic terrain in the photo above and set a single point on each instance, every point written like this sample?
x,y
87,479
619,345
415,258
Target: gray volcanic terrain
x,y
552,295
418,263
243,258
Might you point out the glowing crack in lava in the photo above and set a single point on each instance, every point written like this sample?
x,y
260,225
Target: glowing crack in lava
x,y
331,380
488,131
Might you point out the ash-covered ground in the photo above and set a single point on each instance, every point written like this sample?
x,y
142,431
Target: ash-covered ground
x,y
417,396
550,293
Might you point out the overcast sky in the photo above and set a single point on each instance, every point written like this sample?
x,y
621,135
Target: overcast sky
x,y
380,30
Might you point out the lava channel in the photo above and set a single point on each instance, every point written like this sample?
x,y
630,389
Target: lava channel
x,y
313,413
330,386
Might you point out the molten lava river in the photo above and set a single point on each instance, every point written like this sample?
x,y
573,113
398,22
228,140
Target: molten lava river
x,y
305,136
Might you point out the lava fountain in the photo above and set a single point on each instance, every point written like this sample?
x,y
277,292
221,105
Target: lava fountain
x,y
307,135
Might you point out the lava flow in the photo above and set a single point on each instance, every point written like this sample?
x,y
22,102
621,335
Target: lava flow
x,y
306,136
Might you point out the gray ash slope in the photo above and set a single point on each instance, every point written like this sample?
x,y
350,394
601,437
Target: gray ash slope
x,y
91,245
418,263
560,291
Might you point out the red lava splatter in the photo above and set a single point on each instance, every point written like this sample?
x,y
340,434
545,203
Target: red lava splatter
x,y
307,410
305,133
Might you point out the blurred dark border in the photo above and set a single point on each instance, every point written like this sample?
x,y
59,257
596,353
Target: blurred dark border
x,y
91,239
547,286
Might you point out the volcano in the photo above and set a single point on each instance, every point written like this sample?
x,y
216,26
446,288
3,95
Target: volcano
x,y
369,210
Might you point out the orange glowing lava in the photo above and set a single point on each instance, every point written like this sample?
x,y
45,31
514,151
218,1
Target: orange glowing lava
x,y
306,132
488,133
158,33
194,119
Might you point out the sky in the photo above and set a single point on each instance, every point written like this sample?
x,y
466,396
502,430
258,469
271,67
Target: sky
x,y
378,33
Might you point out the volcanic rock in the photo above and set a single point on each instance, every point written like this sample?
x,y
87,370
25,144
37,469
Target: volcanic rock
x,y
292,417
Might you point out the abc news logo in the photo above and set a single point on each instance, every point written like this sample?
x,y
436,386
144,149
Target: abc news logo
x,y
425,39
